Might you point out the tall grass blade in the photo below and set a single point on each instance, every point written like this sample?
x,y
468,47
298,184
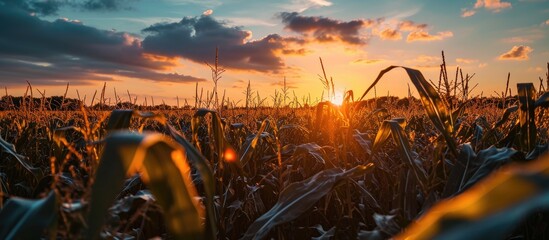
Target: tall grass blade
x,y
163,167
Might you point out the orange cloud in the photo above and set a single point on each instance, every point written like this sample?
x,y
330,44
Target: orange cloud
x,y
390,34
367,61
467,13
208,12
518,53
425,36
410,26
466,60
493,5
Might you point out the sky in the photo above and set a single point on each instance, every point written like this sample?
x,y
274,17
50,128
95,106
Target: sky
x,y
161,48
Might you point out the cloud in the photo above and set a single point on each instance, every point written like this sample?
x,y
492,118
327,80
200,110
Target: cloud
x,y
535,69
518,40
492,5
425,61
367,61
289,84
194,37
303,5
248,21
390,34
324,29
51,7
425,36
64,50
467,13
466,60
411,26
208,12
547,22
518,53
394,29
99,5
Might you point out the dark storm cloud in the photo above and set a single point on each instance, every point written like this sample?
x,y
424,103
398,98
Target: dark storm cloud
x,y
110,5
33,49
196,39
325,29
51,7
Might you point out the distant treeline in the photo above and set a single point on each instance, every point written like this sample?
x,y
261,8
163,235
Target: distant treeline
x,y
58,103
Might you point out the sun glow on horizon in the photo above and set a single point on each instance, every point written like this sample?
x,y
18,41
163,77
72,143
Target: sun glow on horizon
x,y
337,99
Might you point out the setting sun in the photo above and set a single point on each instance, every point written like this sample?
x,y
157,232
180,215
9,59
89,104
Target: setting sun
x,y
337,99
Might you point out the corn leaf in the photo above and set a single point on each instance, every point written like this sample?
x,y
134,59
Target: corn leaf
x,y
395,129
250,149
298,197
490,159
526,93
215,130
121,118
461,171
205,170
385,131
433,104
163,167
26,219
543,100
489,210
399,136
10,149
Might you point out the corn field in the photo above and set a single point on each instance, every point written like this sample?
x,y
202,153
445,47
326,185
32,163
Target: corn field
x,y
444,166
